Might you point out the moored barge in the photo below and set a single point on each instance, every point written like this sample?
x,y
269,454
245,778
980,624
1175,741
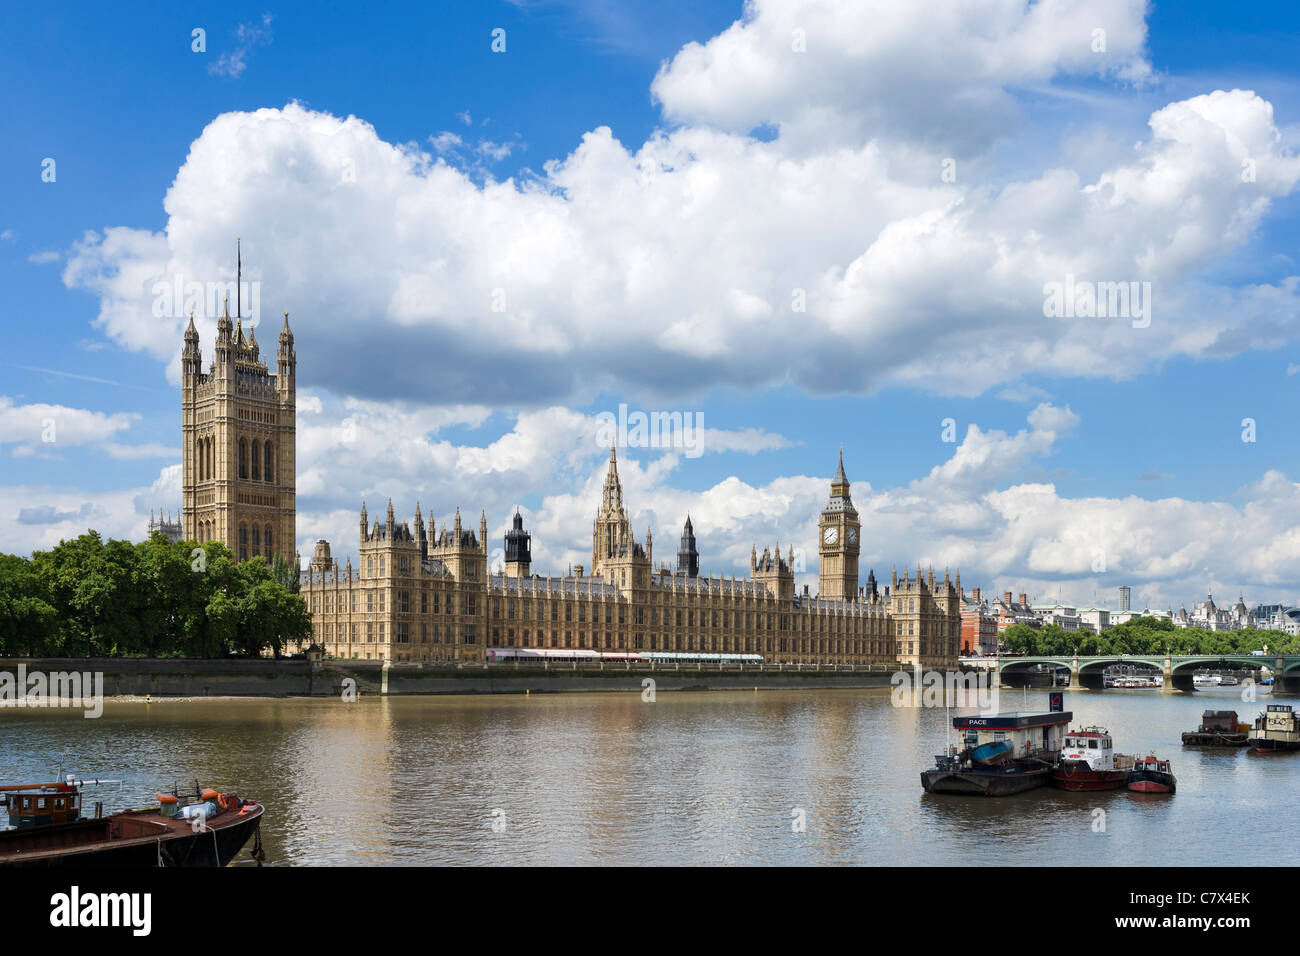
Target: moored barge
x,y
1035,742
1275,730
1219,728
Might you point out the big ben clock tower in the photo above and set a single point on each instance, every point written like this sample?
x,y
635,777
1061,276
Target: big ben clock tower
x,y
839,543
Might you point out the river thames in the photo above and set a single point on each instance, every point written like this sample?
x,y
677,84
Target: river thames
x,y
695,778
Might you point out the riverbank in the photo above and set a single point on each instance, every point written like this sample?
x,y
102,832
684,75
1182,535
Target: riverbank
x,y
170,679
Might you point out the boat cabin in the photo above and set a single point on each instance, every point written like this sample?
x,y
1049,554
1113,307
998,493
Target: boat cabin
x,y
1219,721
1093,748
1278,717
1029,733
36,807
1151,763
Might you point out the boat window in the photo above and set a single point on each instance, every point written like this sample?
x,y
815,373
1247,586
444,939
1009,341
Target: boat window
x,y
1092,744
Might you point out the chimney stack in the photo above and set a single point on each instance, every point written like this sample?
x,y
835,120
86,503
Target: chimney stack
x,y
975,595
1006,598
1024,599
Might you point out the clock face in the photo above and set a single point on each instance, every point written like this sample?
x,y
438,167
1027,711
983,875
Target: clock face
x,y
853,535
831,535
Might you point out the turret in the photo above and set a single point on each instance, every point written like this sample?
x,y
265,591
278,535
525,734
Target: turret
x,y
191,356
365,527
518,548
224,346
688,558
420,539
286,357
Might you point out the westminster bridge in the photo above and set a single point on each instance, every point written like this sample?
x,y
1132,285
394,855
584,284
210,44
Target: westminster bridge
x,y
1086,671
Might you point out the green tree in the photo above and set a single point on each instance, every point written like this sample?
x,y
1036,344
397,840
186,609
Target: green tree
x,y
87,596
27,620
1021,639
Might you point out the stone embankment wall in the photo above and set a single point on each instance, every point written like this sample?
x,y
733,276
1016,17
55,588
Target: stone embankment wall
x,y
298,678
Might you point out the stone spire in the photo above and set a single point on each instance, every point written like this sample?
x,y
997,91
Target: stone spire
x,y
224,326
688,557
191,356
840,483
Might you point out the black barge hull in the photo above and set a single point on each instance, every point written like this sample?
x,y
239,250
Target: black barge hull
x,y
1203,738
984,783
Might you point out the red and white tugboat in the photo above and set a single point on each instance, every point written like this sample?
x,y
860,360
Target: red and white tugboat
x,y
1089,762
1150,774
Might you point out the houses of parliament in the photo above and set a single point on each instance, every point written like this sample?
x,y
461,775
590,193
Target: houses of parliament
x,y
424,593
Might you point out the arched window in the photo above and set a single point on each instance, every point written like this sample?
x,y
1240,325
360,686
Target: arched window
x,y
243,458
243,541
212,457
268,473
257,461
257,539
266,539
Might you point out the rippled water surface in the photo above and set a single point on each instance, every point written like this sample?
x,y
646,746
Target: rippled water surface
x,y
696,778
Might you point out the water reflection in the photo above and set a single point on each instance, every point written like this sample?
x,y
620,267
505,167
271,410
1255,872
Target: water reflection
x,y
697,778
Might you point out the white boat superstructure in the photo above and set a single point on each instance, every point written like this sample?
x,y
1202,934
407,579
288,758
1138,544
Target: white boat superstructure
x,y
1091,747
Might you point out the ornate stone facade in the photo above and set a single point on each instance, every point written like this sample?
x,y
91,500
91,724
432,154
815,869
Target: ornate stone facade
x,y
238,431
424,596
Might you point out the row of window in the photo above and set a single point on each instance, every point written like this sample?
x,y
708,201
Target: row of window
x,y
373,632
260,456
261,542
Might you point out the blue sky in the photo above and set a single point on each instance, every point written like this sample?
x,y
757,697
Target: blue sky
x,y
120,101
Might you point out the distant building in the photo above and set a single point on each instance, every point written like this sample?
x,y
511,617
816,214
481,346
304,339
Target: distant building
x,y
1125,593
1208,616
1009,612
979,625
1062,615
1284,619
166,525
1095,619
